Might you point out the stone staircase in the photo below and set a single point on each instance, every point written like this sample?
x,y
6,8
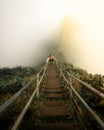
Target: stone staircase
x,y
56,113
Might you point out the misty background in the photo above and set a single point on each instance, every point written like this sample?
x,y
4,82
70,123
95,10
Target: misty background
x,y
31,29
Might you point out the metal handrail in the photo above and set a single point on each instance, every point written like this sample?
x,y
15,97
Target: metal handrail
x,y
20,117
91,89
16,95
94,115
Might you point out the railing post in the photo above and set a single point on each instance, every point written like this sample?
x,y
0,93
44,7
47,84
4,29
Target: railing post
x,y
71,94
91,89
70,87
37,85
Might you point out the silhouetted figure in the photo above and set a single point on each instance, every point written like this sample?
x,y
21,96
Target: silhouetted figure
x,y
51,58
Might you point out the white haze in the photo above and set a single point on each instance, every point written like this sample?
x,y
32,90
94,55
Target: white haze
x,y
27,25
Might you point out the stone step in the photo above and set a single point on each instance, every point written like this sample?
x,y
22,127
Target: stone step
x,y
58,126
52,81
52,74
55,103
55,112
52,86
54,95
53,90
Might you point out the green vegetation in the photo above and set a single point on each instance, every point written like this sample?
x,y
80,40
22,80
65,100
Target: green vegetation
x,y
96,81
12,79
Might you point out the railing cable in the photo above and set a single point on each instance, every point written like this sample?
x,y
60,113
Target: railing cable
x,y
20,117
16,95
94,115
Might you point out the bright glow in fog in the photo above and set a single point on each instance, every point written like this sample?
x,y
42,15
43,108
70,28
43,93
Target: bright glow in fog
x,y
25,25
83,37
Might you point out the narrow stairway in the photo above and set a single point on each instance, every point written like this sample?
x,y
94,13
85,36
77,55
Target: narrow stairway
x,y
56,113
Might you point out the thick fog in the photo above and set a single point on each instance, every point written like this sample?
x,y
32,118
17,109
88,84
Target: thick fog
x,y
30,29
27,29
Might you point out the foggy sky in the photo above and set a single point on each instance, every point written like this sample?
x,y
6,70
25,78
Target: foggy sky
x,y
27,27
